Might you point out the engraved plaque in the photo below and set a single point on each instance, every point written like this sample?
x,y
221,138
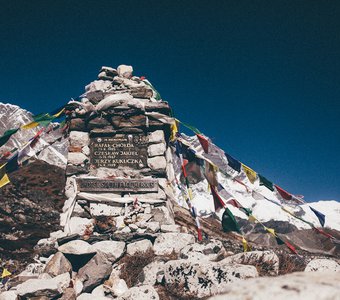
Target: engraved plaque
x,y
127,150
117,185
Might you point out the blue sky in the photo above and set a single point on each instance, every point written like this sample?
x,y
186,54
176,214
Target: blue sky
x,y
261,78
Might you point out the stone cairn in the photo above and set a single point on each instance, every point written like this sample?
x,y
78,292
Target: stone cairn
x,y
119,210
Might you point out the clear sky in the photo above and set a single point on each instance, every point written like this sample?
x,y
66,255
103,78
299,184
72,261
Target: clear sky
x,y
261,78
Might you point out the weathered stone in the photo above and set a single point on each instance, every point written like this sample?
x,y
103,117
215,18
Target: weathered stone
x,y
59,264
79,225
97,85
98,123
144,292
8,295
152,227
212,251
69,294
322,264
203,278
295,286
157,163
76,247
156,149
44,287
142,92
100,209
159,106
113,101
133,227
99,291
140,246
74,170
166,243
156,137
95,271
79,138
87,296
170,228
77,158
162,215
266,258
151,272
133,121
109,71
113,250
125,71
86,150
77,124
115,285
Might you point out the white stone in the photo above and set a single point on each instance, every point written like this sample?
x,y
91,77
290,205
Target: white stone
x,y
322,264
210,251
125,71
100,209
76,247
86,150
162,215
152,271
254,258
156,149
76,158
98,85
157,163
113,101
156,137
140,246
115,285
144,292
113,250
78,225
133,227
87,296
79,138
294,286
204,278
99,291
166,243
170,228
8,295
53,286
152,227
126,229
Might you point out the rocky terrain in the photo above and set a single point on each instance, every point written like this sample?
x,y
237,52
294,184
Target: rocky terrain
x,y
63,239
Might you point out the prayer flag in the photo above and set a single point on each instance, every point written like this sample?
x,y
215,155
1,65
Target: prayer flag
x,y
319,215
7,135
210,173
229,222
264,181
284,194
3,179
218,202
252,219
174,130
204,142
232,162
251,174
246,246
5,273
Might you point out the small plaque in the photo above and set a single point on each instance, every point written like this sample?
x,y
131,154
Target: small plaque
x,y
127,150
117,185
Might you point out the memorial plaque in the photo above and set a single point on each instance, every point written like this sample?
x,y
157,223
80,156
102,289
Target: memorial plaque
x,y
127,150
117,185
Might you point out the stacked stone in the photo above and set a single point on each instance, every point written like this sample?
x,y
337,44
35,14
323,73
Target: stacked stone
x,y
118,109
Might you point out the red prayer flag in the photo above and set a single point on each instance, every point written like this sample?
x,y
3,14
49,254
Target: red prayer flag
x,y
204,142
284,194
235,203
218,202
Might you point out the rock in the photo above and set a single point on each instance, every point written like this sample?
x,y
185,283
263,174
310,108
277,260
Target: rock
x,y
170,228
69,294
79,225
162,215
76,158
322,264
77,247
152,227
156,137
151,272
59,264
166,243
126,229
267,260
133,227
115,285
295,286
79,138
140,246
113,101
144,292
99,291
128,122
98,123
210,251
44,287
113,250
86,150
125,71
77,124
8,295
199,279
95,271
157,163
101,209
98,85
87,296
156,149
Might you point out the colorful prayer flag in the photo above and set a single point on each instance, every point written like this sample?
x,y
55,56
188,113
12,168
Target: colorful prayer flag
x,y
5,273
246,246
7,135
229,222
284,194
218,202
232,162
264,181
319,215
204,142
251,174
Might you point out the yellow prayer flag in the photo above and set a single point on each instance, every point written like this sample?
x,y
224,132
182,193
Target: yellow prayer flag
x,y
5,273
4,180
190,194
246,246
59,113
252,219
251,174
174,130
271,231
30,125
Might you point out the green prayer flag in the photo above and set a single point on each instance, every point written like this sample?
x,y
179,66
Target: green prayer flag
x,y
264,181
229,222
7,135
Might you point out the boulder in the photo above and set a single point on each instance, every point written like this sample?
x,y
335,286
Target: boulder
x,y
156,149
125,71
8,295
87,296
76,158
95,271
58,265
140,246
266,260
78,225
69,294
113,250
144,292
166,243
170,228
162,215
210,251
76,247
44,287
152,273
157,163
101,209
115,285
98,85
79,138
152,227
295,286
198,279
113,101
322,264
156,137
